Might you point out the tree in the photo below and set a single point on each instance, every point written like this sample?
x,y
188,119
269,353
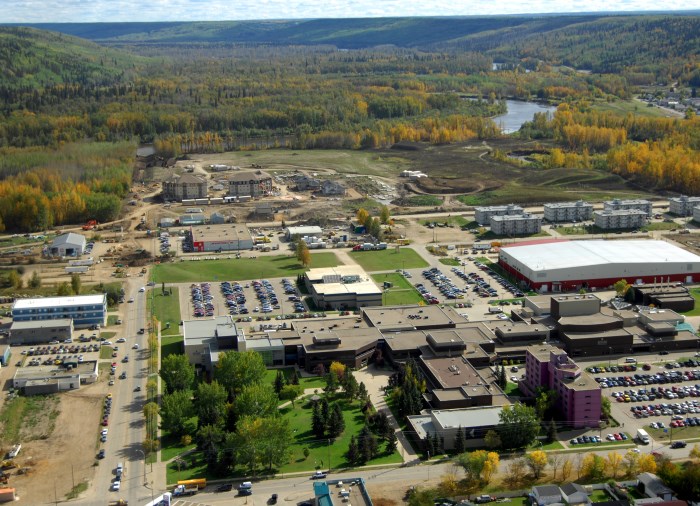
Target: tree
x,y
318,422
646,463
566,470
210,403
492,439
336,422
294,378
593,467
176,410
362,215
614,461
302,253
209,440
515,472
695,452
14,279
384,215
473,463
621,287
177,373
362,393
544,401
459,441
605,408
257,400
367,445
338,369
75,283
551,431
237,369
518,427
490,466
276,439
392,443
375,228
63,289
331,383
291,393
353,451
555,461
536,461
350,385
35,280
279,382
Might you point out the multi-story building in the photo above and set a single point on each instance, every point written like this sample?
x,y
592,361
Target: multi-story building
x,y
621,219
683,205
556,212
249,184
84,310
516,224
619,205
483,214
183,187
578,395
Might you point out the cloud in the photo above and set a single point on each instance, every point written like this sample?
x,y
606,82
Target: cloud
x,y
45,11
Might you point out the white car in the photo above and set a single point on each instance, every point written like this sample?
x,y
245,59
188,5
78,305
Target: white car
x,y
142,289
121,340
131,299
135,347
104,432
116,485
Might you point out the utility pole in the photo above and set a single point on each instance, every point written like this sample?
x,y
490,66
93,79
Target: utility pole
x,y
329,455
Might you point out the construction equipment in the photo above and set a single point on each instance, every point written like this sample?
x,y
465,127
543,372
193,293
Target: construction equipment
x,y
120,502
90,225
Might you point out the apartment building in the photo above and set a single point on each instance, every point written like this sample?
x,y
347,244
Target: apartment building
x,y
483,214
557,212
621,219
516,224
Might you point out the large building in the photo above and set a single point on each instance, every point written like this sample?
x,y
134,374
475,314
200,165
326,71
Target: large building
x,y
342,287
51,379
185,186
35,332
578,395
619,205
482,215
84,310
557,212
516,224
552,265
683,205
304,231
473,422
249,184
620,219
217,238
68,245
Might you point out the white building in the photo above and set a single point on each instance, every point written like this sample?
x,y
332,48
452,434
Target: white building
x,y
68,245
308,231
619,205
620,219
556,212
683,205
84,310
483,214
516,224
342,287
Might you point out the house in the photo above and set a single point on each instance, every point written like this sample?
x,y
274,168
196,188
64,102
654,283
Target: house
x,y
542,495
217,219
653,486
264,210
68,245
304,182
573,494
332,188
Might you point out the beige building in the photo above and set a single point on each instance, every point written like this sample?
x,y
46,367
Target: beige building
x,y
630,204
568,211
184,187
249,184
342,287
683,205
516,224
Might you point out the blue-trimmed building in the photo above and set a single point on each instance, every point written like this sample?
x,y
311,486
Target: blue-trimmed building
x,y
84,310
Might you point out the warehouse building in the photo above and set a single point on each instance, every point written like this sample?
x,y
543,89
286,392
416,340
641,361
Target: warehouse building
x,y
34,332
683,205
305,231
619,205
516,224
620,220
84,310
218,238
51,379
249,184
186,186
68,245
482,215
558,212
342,287
552,265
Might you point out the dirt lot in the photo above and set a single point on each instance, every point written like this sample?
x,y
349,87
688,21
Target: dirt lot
x,y
59,445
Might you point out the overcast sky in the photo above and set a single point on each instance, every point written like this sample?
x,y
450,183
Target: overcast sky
x,y
45,11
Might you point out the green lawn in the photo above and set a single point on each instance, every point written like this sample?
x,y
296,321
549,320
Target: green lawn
x,y
167,310
661,225
106,351
108,335
170,345
695,293
238,269
388,259
423,200
308,382
112,319
401,293
600,496
450,221
170,447
512,389
450,261
582,230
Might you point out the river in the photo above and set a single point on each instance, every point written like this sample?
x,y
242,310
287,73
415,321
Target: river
x,y
518,113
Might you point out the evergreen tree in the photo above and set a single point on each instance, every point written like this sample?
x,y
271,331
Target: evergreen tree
x,y
325,411
294,378
436,443
367,445
336,423
552,431
429,446
459,441
362,393
391,443
318,423
279,382
353,451
350,385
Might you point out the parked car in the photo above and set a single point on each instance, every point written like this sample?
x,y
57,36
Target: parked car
x,y
678,444
484,498
226,487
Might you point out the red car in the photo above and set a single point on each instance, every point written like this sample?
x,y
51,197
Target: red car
x,y
617,437
105,422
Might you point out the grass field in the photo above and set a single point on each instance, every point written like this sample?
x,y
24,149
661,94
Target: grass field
x,y
401,293
452,221
170,345
308,382
238,269
695,293
167,310
423,200
625,107
661,225
388,259
106,352
450,261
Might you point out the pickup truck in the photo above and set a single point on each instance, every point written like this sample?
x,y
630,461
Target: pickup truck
x,y
182,491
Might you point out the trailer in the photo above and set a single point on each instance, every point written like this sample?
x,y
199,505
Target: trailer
x,y
79,269
182,491
85,261
14,451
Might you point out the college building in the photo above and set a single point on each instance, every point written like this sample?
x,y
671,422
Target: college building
x,y
342,287
83,310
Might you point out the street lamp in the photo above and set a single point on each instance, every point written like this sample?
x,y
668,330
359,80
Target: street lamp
x,y
145,483
610,355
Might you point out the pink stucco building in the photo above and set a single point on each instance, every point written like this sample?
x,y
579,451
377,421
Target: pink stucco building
x,y
578,395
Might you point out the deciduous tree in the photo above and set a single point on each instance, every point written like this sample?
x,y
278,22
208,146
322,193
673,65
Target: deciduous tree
x,y
537,461
176,411
237,369
210,403
176,372
518,427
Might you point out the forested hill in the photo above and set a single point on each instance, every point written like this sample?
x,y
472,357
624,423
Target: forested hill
x,y
36,59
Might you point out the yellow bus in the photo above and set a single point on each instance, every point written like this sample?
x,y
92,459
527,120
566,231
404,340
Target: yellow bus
x,y
195,482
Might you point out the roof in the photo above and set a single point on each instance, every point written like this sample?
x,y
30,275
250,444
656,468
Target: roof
x,y
248,176
75,300
654,484
483,416
431,316
307,230
199,331
222,233
547,490
572,488
565,205
54,371
41,324
69,238
186,179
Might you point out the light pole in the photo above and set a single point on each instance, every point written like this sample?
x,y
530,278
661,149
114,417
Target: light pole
x,y
329,455
609,356
145,483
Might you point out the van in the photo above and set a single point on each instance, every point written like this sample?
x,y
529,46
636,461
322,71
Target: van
x,y
246,485
631,360
119,471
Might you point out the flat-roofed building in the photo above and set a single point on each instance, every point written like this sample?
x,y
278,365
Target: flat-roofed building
x,y
226,237
52,379
342,287
404,318
622,204
186,186
683,205
474,422
455,383
620,219
292,233
516,224
482,214
84,310
44,331
249,184
673,296
557,212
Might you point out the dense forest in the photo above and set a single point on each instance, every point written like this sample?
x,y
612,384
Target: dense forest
x,y
351,84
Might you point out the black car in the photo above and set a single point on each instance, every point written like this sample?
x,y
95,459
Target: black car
x,y
273,499
101,454
245,491
226,487
663,352
678,444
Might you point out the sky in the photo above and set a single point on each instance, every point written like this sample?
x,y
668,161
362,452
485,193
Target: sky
x,y
61,11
